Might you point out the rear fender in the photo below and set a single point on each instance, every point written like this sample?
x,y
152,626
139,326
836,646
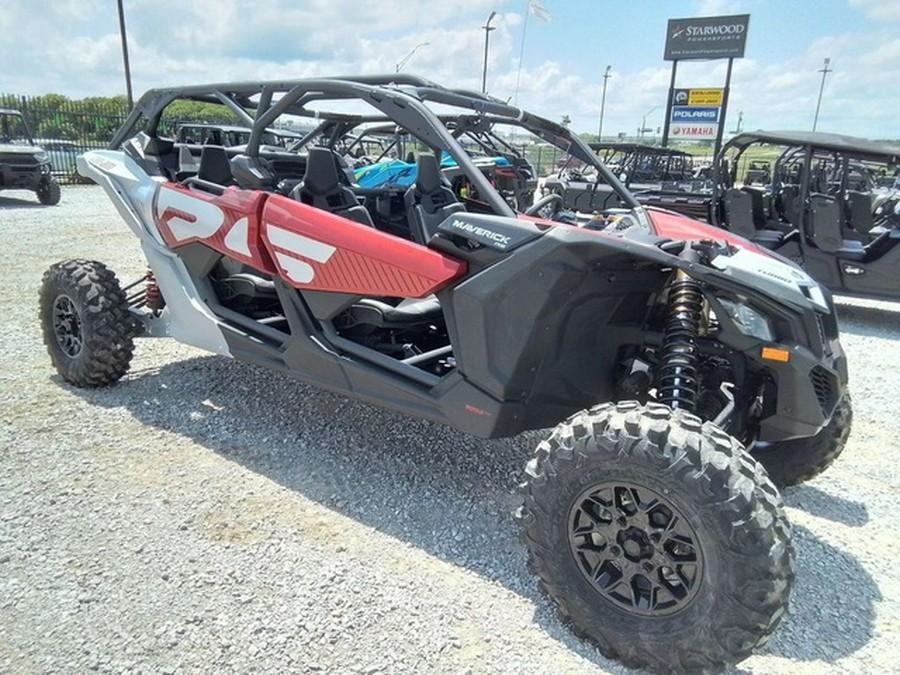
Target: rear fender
x,y
130,189
186,317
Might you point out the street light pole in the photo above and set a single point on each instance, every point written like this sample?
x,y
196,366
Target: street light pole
x,y
125,55
487,35
644,128
825,70
606,76
409,56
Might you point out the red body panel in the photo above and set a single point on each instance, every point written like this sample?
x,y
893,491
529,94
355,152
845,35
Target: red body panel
x,y
325,252
228,223
308,247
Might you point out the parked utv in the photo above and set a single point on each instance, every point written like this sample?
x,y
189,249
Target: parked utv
x,y
828,203
23,164
503,165
686,371
639,166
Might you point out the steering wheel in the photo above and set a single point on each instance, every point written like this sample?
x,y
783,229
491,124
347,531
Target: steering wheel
x,y
553,198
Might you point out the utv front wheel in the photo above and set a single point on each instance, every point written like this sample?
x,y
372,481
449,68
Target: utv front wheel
x,y
793,462
48,192
86,325
658,537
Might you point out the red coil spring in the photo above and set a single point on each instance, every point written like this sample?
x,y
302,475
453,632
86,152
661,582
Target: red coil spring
x,y
153,298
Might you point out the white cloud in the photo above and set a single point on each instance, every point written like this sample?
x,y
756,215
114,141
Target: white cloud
x,y
886,54
880,10
718,8
173,43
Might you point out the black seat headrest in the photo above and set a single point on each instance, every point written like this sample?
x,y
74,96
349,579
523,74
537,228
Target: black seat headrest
x,y
214,165
321,175
428,173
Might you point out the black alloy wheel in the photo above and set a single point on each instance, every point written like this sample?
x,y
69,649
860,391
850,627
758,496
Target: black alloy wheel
x,y
635,548
67,326
87,328
658,537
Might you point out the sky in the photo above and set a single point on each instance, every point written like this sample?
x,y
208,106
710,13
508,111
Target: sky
x,y
551,67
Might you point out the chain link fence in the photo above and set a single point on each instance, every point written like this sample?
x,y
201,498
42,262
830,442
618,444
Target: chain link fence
x,y
65,128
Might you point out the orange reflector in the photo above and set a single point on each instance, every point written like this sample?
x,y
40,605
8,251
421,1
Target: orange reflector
x,y
775,354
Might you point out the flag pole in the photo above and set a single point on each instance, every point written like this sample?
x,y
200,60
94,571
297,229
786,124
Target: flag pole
x,y
521,52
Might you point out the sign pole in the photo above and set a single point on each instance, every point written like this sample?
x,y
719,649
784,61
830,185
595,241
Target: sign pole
x,y
125,55
721,130
665,138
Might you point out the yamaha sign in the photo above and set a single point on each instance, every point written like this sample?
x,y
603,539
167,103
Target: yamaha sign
x,y
713,37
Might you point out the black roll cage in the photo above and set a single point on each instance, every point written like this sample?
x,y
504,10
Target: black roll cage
x,y
800,143
401,97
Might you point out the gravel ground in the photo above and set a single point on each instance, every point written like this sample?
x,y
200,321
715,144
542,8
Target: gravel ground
x,y
180,522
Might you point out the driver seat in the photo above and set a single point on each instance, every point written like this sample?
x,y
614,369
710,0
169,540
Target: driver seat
x,y
323,188
429,201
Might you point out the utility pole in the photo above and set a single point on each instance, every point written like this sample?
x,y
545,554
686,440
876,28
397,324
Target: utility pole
x,y
125,55
487,27
606,76
825,70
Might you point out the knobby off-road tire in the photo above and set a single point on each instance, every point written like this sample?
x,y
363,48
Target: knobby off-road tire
x,y
48,192
793,462
87,328
658,537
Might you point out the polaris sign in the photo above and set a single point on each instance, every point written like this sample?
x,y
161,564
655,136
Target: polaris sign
x,y
681,113
712,37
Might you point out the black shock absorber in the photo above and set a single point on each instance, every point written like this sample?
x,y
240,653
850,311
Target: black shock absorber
x,y
677,385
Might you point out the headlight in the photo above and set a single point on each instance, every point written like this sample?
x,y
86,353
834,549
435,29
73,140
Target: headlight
x,y
42,157
748,320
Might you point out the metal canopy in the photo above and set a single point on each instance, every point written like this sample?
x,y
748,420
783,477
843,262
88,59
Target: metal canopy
x,y
860,147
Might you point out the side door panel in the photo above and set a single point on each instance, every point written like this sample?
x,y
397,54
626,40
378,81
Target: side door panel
x,y
316,250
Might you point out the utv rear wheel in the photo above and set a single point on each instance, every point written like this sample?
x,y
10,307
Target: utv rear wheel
x,y
48,192
793,462
658,537
87,329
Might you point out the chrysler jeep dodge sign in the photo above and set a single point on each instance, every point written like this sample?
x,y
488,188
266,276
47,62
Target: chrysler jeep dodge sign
x,y
711,37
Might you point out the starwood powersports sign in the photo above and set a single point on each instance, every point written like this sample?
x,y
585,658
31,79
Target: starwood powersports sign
x,y
715,37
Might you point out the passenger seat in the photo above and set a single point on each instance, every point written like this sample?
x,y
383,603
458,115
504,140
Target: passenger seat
x,y
429,201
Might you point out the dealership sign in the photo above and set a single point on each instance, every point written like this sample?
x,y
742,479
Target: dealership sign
x,y
712,37
701,97
696,114
693,132
685,113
